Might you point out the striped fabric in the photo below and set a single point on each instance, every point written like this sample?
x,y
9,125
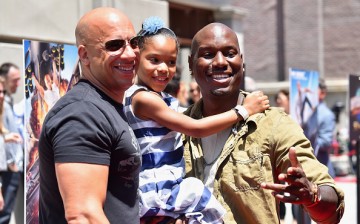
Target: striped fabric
x,y
163,190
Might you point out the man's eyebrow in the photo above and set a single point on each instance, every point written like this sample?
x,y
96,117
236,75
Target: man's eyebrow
x,y
207,47
211,47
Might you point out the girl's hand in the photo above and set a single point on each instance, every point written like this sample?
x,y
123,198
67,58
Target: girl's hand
x,y
256,102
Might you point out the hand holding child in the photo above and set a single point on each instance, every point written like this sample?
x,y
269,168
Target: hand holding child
x,y
256,102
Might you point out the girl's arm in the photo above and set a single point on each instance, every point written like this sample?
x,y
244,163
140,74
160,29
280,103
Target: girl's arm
x,y
150,106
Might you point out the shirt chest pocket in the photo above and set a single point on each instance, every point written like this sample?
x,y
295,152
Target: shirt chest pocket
x,y
246,170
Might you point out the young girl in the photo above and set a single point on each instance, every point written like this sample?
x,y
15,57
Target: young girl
x,y
153,116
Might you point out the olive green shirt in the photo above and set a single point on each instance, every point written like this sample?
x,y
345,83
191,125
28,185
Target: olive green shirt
x,y
255,152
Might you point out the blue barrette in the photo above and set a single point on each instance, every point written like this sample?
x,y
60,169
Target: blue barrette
x,y
151,25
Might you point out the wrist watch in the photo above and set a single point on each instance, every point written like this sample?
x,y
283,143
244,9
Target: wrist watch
x,y
241,111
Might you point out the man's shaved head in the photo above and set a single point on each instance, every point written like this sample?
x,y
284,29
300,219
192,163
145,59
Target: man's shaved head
x,y
210,30
97,20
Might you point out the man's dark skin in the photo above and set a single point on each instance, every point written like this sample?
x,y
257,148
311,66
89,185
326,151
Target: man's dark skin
x,y
215,50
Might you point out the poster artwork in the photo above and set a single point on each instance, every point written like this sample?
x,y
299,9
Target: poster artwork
x,y
303,94
51,69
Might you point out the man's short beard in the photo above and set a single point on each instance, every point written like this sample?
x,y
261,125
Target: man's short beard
x,y
219,92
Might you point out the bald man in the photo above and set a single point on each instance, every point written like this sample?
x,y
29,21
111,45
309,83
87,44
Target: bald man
x,y
89,157
248,163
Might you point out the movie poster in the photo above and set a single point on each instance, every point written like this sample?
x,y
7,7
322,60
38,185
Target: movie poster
x,y
354,112
303,94
51,69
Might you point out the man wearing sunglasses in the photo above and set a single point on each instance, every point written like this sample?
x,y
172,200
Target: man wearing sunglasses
x,y
89,156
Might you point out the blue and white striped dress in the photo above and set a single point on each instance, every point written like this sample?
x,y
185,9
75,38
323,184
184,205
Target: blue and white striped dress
x,y
163,190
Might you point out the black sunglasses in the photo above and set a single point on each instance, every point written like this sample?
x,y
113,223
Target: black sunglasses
x,y
3,91
115,45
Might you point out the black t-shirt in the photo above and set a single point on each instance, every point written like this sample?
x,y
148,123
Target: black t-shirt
x,y
86,126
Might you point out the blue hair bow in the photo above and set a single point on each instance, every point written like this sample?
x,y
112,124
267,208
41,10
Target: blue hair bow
x,y
151,25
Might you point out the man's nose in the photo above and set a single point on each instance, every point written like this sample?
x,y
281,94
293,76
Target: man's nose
x,y
220,60
129,52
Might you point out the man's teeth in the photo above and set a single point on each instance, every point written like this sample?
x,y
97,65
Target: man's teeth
x,y
222,76
125,68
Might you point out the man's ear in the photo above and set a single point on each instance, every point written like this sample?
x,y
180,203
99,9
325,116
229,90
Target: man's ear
x,y
83,55
190,62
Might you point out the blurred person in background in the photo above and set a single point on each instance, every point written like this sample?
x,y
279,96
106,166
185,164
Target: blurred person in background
x,y
282,99
5,136
194,92
13,177
3,163
183,94
320,129
173,88
179,90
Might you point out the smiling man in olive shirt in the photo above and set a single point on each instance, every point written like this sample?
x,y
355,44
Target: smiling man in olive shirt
x,y
246,164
